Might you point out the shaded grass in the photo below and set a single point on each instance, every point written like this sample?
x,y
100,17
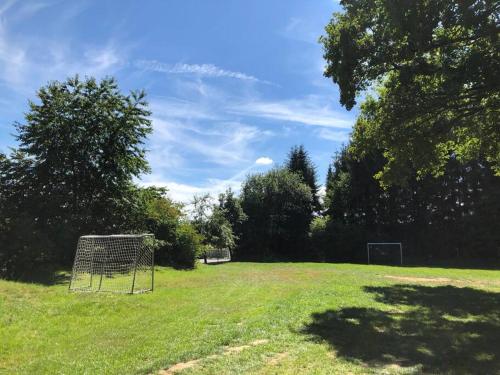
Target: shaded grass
x,y
327,318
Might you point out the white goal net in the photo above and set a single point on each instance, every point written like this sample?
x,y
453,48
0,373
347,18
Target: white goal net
x,y
384,252
118,263
217,255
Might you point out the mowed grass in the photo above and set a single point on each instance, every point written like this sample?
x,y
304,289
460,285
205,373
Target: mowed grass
x,y
308,319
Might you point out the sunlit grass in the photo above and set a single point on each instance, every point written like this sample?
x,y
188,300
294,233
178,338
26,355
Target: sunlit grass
x,y
316,318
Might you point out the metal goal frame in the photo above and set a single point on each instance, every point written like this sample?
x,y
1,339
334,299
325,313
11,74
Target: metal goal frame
x,y
120,263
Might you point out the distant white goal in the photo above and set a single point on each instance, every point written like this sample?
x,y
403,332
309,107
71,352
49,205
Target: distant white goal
x,y
385,252
121,263
217,255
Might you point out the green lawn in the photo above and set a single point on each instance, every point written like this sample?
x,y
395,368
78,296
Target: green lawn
x,y
261,319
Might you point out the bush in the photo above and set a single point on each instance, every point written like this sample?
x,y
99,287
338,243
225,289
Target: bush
x,y
187,246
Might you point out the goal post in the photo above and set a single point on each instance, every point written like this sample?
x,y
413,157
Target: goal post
x,y
383,247
121,263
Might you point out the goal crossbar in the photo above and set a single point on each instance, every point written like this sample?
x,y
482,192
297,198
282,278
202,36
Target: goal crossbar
x,y
368,244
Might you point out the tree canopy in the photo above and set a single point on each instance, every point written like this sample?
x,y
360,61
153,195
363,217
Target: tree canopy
x,y
85,139
437,66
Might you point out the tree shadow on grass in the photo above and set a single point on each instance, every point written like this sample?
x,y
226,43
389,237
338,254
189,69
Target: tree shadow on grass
x,y
47,276
441,329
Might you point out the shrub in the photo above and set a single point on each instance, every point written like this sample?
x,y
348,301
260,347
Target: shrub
x,y
187,246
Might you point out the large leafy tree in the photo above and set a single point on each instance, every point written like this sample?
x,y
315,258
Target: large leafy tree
x,y
279,208
83,143
210,221
151,210
86,140
438,63
300,162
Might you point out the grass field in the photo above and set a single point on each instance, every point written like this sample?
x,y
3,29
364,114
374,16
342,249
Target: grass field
x,y
261,319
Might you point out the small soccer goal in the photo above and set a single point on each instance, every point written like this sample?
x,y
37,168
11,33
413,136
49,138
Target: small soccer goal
x,y
217,255
384,252
121,263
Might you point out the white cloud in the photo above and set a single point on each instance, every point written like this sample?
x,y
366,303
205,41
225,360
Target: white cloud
x,y
333,135
179,192
206,70
308,111
102,59
264,160
184,193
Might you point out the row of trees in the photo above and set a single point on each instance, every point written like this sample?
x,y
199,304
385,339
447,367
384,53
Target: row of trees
x,y
279,216
79,149
423,162
69,177
453,215
271,217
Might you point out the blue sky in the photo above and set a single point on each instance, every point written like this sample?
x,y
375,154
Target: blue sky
x,y
232,84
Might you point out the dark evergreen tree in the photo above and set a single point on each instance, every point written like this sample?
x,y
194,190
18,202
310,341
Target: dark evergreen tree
x,y
299,162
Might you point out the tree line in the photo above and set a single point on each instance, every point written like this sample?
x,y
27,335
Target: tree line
x,y
279,214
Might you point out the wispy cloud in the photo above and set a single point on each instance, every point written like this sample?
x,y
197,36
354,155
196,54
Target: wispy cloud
x,y
183,192
202,130
308,111
264,160
28,61
224,144
300,30
333,135
187,110
25,9
6,5
205,70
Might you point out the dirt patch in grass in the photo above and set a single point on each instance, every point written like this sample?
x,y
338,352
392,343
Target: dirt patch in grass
x,y
274,360
441,280
178,367
445,281
237,349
